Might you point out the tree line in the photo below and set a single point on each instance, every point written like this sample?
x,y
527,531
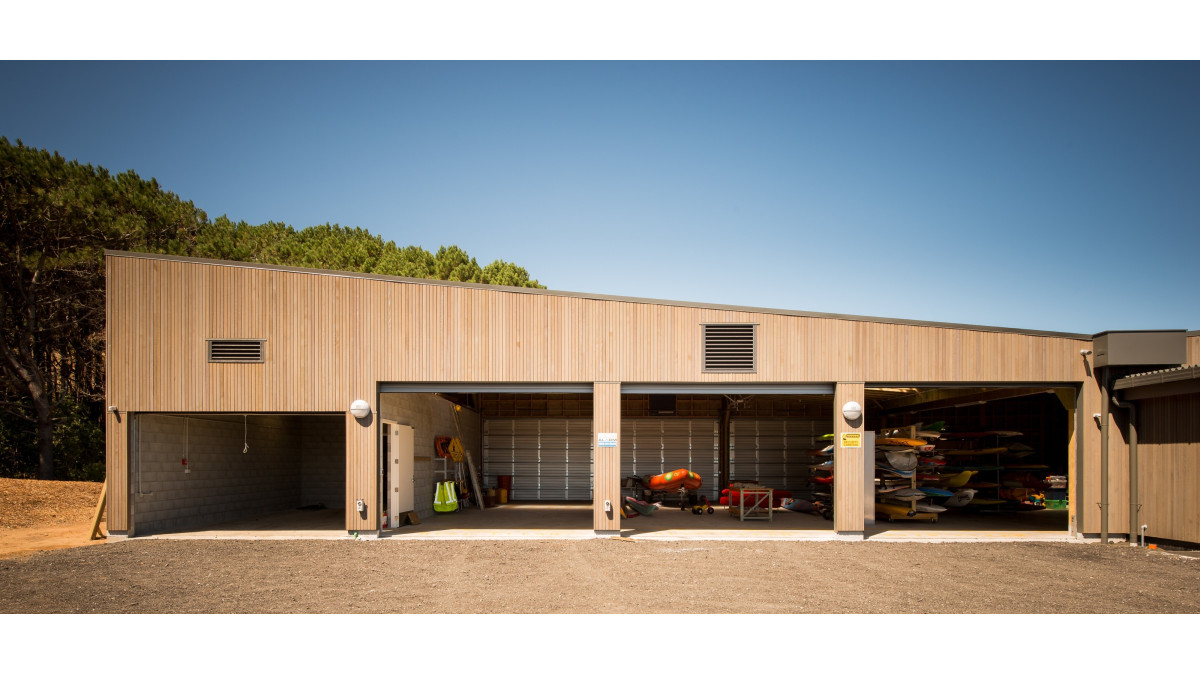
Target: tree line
x,y
56,219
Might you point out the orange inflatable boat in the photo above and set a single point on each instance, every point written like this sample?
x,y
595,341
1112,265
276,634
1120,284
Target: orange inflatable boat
x,y
673,480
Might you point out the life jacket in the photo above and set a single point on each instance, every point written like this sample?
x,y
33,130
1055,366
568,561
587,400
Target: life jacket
x,y
446,498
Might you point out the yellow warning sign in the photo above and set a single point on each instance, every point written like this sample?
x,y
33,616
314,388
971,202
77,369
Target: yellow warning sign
x,y
851,440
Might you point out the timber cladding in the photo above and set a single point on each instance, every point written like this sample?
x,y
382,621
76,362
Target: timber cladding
x,y
1168,466
329,338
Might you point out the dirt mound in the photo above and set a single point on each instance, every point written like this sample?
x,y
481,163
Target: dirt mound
x,y
44,503
40,515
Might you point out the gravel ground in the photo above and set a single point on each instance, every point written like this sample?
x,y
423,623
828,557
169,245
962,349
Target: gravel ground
x,y
597,576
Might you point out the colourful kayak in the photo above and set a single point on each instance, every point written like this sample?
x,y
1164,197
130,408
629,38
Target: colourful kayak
x,y
907,512
958,479
936,492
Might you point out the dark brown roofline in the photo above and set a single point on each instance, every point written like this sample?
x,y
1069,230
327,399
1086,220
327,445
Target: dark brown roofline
x,y
596,296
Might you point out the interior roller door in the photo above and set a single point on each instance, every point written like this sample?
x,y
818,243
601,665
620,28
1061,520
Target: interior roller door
x,y
656,445
775,452
549,459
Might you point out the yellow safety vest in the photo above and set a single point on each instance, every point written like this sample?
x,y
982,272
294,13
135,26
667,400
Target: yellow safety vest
x,y
446,498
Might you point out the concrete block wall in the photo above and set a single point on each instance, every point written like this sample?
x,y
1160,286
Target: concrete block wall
x,y
220,482
322,443
430,416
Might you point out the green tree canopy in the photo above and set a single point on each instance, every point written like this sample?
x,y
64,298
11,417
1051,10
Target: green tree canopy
x,y
56,219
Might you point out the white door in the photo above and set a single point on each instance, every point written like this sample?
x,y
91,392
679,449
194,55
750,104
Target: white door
x,y
400,471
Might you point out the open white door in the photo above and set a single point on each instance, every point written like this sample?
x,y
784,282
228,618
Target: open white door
x,y
400,471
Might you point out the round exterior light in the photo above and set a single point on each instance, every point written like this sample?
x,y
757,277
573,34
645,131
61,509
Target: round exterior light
x,y
852,410
360,409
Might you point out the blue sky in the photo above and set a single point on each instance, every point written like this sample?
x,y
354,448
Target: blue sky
x,y
995,193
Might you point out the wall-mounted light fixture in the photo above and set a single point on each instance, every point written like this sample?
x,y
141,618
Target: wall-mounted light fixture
x,y
112,409
1084,352
360,409
851,411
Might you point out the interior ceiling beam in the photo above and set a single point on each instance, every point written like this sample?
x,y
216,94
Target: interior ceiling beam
x,y
935,399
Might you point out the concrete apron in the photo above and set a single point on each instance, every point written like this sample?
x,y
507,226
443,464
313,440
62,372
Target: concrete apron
x,y
562,521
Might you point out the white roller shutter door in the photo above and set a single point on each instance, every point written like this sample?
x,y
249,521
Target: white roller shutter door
x,y
656,445
775,452
550,459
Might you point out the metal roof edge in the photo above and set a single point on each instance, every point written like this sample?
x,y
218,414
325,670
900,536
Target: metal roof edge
x,y
1158,377
597,296
1151,330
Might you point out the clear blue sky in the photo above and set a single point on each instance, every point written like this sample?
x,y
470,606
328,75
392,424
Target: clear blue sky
x,y
996,193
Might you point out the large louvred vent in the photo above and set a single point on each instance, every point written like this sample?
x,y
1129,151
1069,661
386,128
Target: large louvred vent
x,y
729,347
235,351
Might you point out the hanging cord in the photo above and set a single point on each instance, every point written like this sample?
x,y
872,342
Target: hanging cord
x,y
245,434
454,408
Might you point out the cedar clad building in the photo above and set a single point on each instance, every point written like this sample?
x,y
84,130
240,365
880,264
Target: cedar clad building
x,y
231,386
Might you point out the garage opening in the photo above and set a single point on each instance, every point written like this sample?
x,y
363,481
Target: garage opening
x,y
526,456
761,459
988,458
226,474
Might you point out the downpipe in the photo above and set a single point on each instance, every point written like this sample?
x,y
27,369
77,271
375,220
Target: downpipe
x,y
1134,506
1104,414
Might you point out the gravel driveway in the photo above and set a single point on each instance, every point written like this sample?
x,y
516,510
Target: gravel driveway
x,y
598,576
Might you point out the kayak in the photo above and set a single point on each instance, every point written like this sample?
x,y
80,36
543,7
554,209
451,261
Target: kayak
x,y
636,507
981,451
905,460
892,511
936,492
906,442
960,498
958,479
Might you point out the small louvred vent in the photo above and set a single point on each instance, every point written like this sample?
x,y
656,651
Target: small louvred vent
x,y
729,347
235,351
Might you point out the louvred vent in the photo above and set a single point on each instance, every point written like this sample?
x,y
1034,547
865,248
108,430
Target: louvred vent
x,y
729,347
235,351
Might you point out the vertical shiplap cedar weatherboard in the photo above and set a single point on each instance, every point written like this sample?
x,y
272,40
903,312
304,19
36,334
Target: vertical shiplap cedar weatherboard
x,y
1169,466
332,337
849,463
607,462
